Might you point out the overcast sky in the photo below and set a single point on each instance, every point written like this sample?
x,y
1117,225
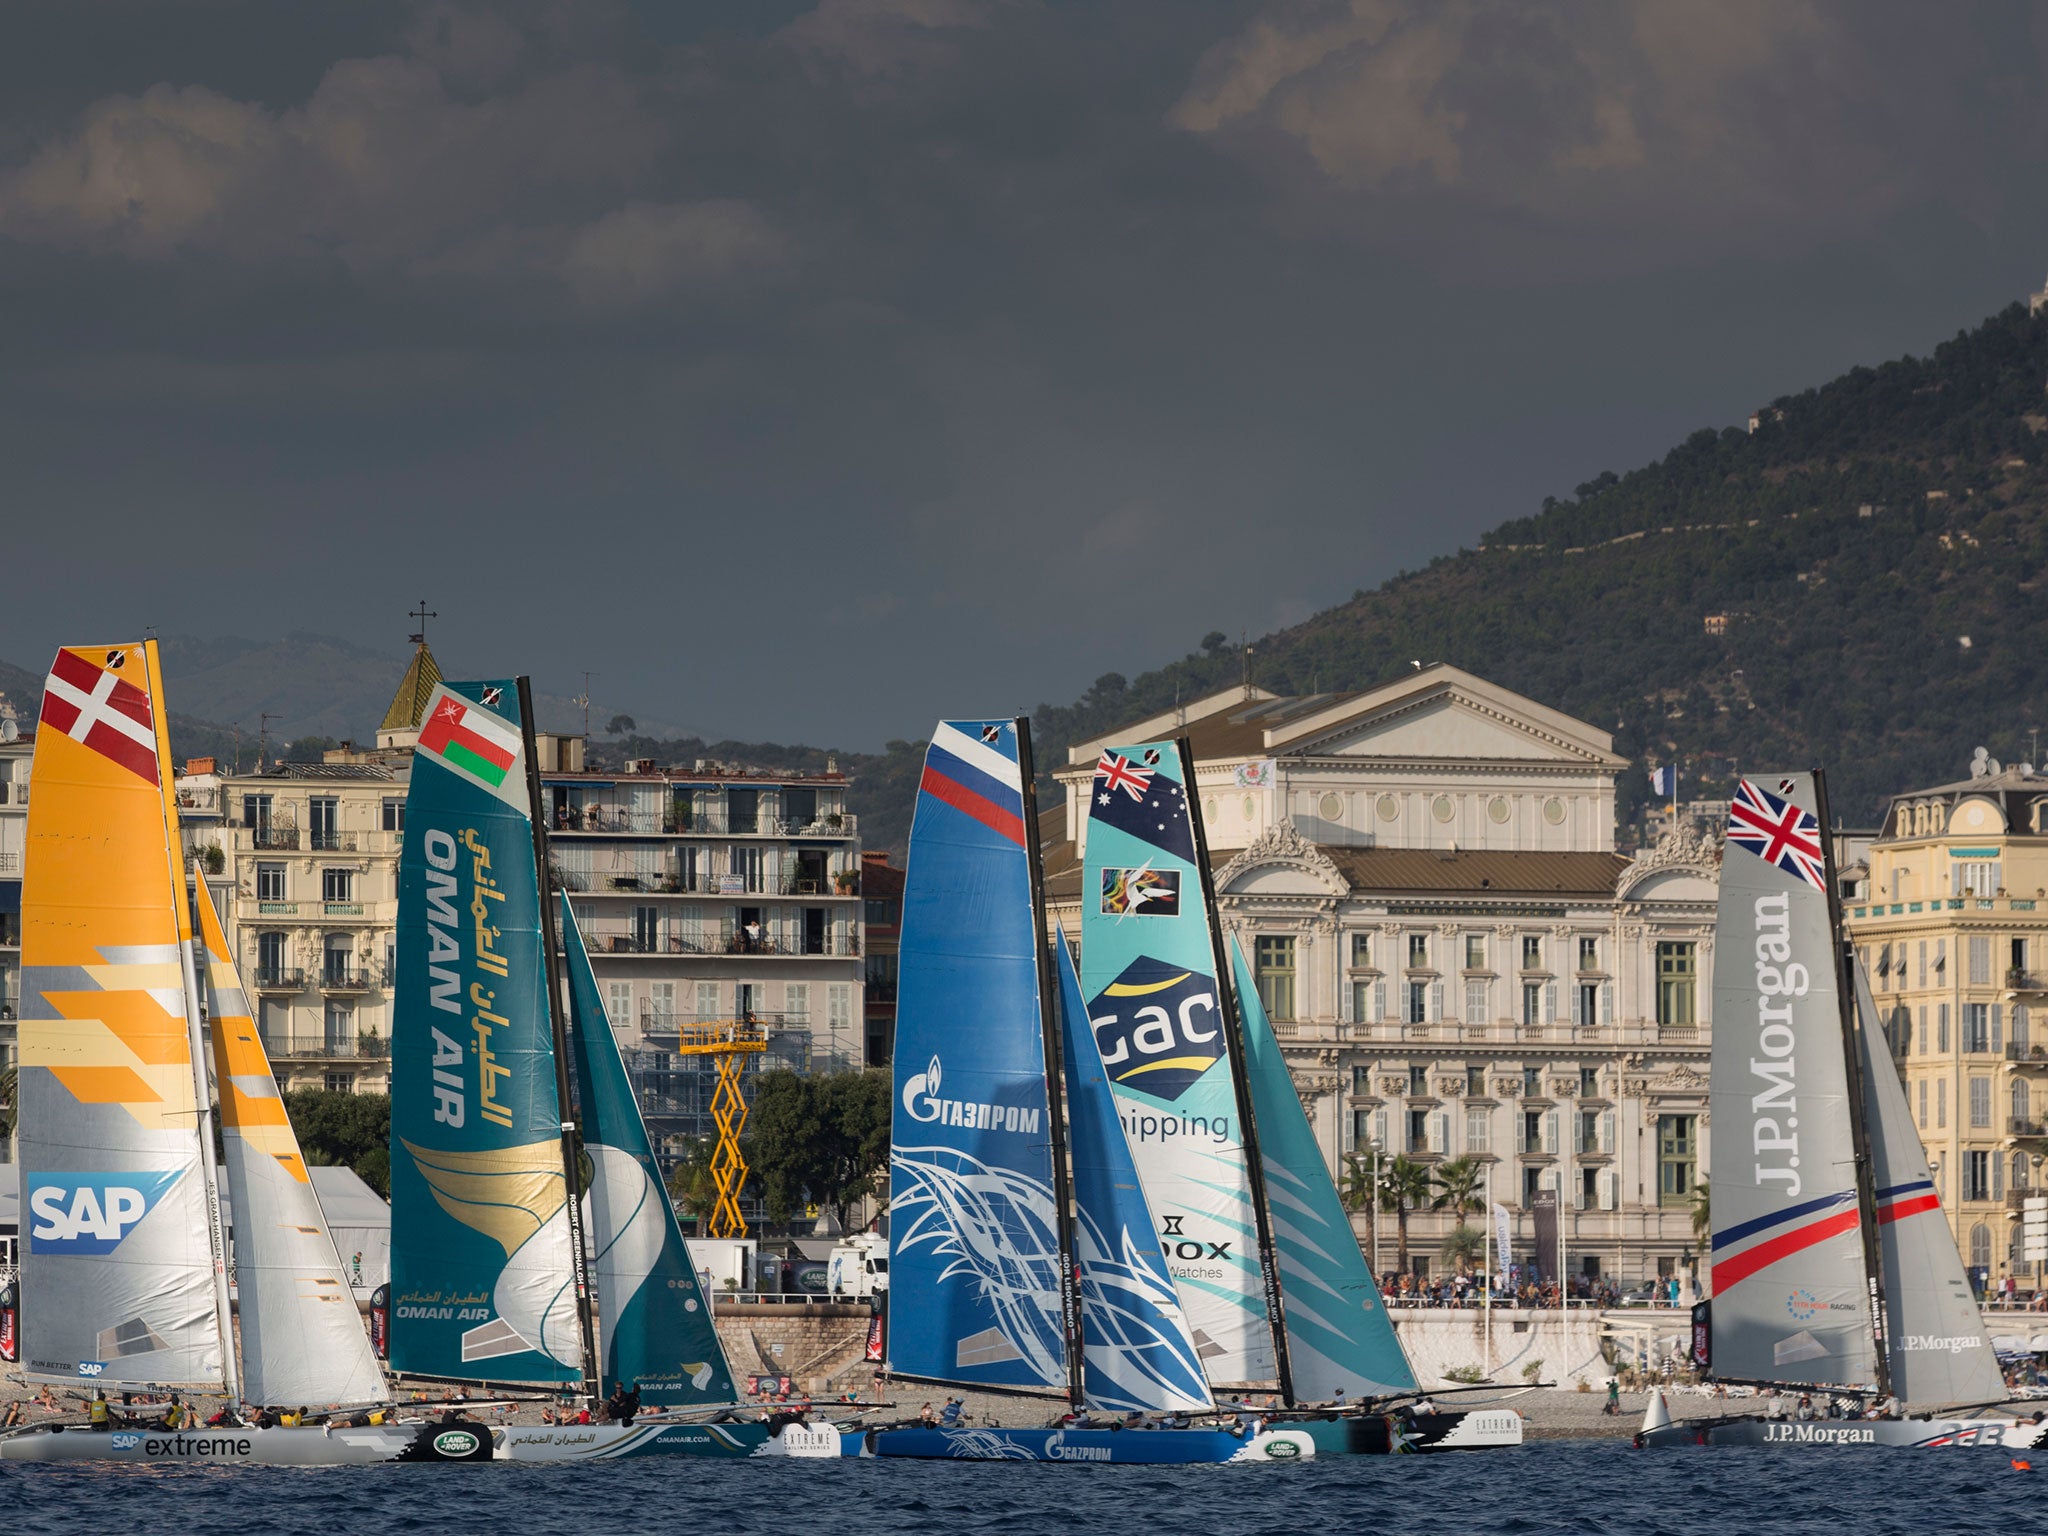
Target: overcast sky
x,y
811,371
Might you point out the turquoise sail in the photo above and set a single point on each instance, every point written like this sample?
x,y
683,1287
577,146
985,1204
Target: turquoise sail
x,y
1137,1351
654,1324
1340,1341
481,1285
1148,971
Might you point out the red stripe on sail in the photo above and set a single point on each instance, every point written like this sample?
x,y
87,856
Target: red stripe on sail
x,y
446,727
982,809
1911,1207
1750,1260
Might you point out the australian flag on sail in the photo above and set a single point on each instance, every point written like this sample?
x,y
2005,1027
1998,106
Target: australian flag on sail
x,y
1138,797
1778,832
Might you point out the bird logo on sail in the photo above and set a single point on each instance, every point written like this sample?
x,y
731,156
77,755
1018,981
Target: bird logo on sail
x,y
1140,892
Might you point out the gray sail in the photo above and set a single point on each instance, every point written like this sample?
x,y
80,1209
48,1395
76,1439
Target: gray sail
x,y
1791,1300
1939,1350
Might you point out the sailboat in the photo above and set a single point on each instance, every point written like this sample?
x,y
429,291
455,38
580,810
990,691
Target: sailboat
x,y
1834,1271
509,1265
1017,1220
125,1260
1260,1247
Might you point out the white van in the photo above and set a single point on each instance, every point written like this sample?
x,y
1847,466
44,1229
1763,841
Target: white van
x,y
858,1268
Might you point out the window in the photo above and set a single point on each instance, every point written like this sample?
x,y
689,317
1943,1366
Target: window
x,y
323,815
1941,1038
1418,1130
337,885
2019,1024
1532,1002
881,912
646,930
1921,1032
1586,1131
1589,954
2018,960
1361,1079
269,958
743,810
1532,952
1980,1246
1921,973
838,1006
1976,1175
1923,1103
1478,1129
1589,1083
1677,977
1675,1150
1418,1083
1476,1009
707,1000
1978,877
1418,1002
1980,1101
1361,949
1589,1189
1475,951
881,978
1361,1002
270,882
747,865
796,1000
341,1029
1976,1027
337,957
340,1082
618,1006
1475,1082
2021,1108
1418,951
1940,1103
256,812
1589,1005
1980,960
1274,972
394,814
1530,1086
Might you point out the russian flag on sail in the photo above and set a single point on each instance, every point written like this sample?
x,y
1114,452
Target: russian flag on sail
x,y
470,738
977,774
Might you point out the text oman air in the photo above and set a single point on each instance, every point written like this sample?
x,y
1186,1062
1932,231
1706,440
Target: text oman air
x,y
1774,1136
921,1101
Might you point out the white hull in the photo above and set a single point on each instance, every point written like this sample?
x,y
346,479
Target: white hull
x,y
337,1447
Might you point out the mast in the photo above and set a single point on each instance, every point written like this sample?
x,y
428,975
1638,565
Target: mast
x,y
1055,1075
1240,1083
195,1029
551,957
1859,1111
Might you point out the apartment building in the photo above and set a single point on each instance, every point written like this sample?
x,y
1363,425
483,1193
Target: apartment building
x,y
1951,924
1457,962
17,745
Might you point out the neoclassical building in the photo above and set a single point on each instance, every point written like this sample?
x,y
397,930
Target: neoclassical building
x,y
1456,960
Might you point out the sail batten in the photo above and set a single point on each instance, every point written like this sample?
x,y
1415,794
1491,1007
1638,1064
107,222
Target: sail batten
x,y
118,1269
481,1267
655,1329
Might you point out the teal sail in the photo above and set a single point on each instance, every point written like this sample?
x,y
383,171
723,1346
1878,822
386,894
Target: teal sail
x,y
654,1323
481,1278
1148,970
1136,1348
1340,1341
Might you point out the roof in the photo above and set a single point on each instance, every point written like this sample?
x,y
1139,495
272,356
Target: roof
x,y
336,771
409,704
1416,872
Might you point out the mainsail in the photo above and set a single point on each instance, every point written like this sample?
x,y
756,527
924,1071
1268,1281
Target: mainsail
x,y
975,1254
1935,1334
654,1323
1148,970
1791,1295
1137,1351
119,1275
481,1265
302,1339
1341,1343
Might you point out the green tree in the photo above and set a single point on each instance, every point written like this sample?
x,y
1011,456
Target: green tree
x,y
1405,1186
820,1141
1702,1210
620,725
350,1130
1458,1186
692,1184
1356,1194
1464,1247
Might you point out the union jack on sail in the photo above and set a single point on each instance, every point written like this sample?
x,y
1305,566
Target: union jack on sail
x,y
1778,832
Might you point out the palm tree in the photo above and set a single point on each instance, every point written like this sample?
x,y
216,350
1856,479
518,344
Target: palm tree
x,y
1404,1186
1463,1247
1356,1195
1458,1186
1702,1211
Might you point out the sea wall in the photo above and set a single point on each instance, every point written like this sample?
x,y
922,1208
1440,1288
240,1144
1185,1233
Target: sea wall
x,y
810,1344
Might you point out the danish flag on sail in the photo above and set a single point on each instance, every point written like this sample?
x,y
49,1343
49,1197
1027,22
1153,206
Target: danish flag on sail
x,y
101,710
1778,832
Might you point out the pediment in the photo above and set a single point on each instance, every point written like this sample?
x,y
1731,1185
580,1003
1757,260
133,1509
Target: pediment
x,y
1450,726
1281,862
1276,880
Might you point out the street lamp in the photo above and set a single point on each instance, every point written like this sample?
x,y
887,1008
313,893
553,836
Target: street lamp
x,y
1376,1146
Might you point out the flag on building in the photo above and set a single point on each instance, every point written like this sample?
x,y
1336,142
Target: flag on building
x,y
472,740
1664,781
1255,775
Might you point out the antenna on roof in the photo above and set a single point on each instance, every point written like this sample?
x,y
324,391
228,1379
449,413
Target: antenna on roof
x,y
422,613
583,698
1244,641
263,736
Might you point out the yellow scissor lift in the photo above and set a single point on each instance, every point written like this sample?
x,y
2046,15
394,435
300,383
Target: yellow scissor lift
x,y
727,1040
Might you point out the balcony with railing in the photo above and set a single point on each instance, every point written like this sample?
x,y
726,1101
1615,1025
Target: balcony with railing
x,y
347,978
331,841
10,863
2026,981
338,1045
624,821
341,909
2020,1052
279,978
2016,1199
2017,1125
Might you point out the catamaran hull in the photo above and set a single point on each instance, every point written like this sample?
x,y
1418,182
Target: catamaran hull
x,y
1134,1447
613,1442
338,1447
1885,1434
1384,1434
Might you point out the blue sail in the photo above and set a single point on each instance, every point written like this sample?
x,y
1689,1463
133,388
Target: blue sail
x,y
1340,1341
1137,1349
974,1261
654,1325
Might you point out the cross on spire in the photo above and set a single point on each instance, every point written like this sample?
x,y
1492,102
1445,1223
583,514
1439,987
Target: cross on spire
x,y
422,614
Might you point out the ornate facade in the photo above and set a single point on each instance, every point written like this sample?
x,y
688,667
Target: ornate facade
x,y
1458,964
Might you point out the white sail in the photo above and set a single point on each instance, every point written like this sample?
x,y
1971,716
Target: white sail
x,y
1936,1344
303,1341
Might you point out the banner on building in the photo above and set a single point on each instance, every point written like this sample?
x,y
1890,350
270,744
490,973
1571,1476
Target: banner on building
x,y
1255,775
1543,1208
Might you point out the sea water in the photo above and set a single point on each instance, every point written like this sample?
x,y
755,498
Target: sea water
x,y
1573,1486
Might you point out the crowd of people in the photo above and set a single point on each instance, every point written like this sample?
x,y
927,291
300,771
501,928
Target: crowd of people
x,y
1520,1287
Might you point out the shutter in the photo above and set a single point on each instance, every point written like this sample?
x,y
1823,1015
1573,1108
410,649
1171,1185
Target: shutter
x,y
1940,956
1607,1133
1884,960
1550,1132
1550,1002
1997,878
1607,1186
1436,1001
1606,1002
1379,1126
1440,1132
1379,1001
1521,1133
2019,1024
1955,879
1997,1027
1997,1176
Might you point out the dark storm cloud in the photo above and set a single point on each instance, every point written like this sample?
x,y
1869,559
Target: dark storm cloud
x,y
812,370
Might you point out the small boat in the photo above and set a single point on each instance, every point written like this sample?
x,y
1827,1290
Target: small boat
x,y
1835,1275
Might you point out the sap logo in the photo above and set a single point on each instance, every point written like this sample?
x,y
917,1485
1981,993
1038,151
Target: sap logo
x,y
126,1439
91,1367
1158,1027
86,1214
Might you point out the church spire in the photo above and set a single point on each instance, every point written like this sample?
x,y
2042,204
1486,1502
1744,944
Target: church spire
x,y
401,723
